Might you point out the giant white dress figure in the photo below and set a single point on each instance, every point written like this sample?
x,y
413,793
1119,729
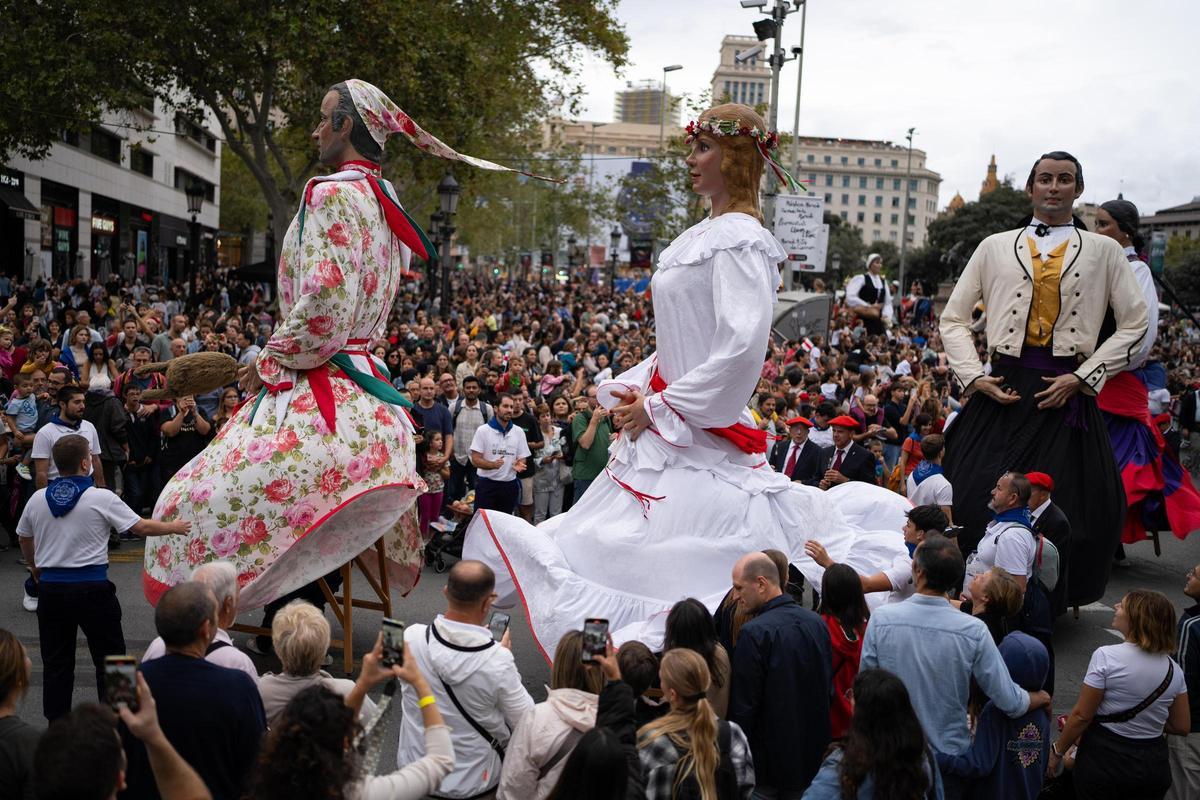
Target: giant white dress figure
x,y
679,505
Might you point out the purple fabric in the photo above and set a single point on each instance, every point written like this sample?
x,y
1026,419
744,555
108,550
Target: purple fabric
x,y
1043,359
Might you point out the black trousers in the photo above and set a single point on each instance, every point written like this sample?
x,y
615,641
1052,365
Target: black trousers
x,y
310,592
497,495
63,610
1109,765
462,477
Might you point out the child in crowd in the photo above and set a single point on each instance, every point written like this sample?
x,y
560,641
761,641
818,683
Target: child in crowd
x,y
21,415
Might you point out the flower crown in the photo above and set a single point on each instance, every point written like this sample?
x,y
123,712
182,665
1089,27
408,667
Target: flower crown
x,y
768,140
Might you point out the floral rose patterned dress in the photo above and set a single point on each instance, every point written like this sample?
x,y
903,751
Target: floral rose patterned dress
x,y
317,468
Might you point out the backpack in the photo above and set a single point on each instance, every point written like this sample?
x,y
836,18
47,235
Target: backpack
x,y
484,409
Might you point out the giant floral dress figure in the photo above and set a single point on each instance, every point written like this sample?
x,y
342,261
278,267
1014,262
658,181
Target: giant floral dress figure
x,y
320,464
688,489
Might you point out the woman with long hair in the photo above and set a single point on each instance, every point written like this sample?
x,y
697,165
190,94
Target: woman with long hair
x,y
75,355
884,755
547,481
690,746
844,609
690,625
99,371
1132,694
230,400
18,739
545,736
310,752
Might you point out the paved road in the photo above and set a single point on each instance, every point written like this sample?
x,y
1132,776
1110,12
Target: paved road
x,y
1075,639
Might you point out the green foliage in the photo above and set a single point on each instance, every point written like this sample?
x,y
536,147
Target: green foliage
x,y
480,76
63,61
956,235
845,242
1181,268
891,256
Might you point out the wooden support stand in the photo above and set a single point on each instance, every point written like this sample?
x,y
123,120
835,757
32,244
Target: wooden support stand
x,y
343,605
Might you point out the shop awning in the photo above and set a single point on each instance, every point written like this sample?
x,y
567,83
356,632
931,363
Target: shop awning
x,y
17,204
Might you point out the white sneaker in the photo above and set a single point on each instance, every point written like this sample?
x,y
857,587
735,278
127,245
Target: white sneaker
x,y
29,603
23,471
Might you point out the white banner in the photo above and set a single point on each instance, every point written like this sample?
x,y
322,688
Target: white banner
x,y
799,227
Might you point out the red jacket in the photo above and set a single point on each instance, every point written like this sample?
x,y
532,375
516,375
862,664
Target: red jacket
x,y
845,669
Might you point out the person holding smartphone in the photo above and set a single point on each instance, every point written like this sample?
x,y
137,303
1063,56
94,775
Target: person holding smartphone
x,y
185,434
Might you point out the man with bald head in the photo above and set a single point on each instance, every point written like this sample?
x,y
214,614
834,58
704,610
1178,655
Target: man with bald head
x,y
782,672
211,714
474,680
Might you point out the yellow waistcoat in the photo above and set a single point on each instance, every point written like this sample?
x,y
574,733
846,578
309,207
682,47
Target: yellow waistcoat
x,y
1044,308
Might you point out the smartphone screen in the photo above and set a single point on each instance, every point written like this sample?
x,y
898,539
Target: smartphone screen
x,y
120,681
498,624
595,638
393,642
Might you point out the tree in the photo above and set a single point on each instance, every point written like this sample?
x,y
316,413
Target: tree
x,y
845,242
890,253
1181,268
65,62
954,236
480,76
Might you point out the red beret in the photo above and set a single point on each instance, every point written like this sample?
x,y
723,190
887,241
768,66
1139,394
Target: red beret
x,y
845,421
805,421
1041,479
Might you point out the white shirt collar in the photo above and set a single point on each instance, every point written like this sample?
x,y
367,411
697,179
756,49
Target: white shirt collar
x,y
1131,251
1037,512
1056,236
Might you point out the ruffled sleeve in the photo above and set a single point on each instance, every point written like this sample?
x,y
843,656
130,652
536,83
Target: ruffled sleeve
x,y
743,259
326,282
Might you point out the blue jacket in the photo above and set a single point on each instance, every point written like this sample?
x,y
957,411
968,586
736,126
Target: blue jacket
x,y
936,650
827,785
1008,758
779,695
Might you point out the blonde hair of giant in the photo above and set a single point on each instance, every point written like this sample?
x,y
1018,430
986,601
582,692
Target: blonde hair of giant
x,y
741,163
692,727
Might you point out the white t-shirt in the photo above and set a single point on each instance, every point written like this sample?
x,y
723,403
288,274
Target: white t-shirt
x,y
1008,546
80,538
1128,674
933,491
43,443
824,438
900,574
507,447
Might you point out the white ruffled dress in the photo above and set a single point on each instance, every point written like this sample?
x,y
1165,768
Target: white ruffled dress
x,y
678,506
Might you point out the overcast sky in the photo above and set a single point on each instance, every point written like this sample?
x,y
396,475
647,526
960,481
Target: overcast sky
x,y
1113,82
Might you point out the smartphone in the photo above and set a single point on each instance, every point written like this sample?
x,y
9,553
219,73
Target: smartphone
x,y
595,638
120,681
498,624
393,642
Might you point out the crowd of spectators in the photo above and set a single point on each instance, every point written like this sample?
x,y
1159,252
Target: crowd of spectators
x,y
941,692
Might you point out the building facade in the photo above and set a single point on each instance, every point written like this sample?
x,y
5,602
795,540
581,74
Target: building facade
x,y
748,83
607,139
646,103
1181,220
863,182
111,202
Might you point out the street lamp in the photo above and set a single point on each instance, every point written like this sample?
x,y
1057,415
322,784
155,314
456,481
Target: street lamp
x,y
614,241
662,118
435,238
904,225
836,264
448,192
572,256
195,201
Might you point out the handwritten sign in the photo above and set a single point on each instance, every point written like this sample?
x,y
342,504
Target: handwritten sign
x,y
799,227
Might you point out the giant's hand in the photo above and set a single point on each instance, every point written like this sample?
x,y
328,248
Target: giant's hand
x,y
992,386
248,379
631,417
1059,391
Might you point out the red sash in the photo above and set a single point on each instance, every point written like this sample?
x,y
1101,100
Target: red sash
x,y
743,437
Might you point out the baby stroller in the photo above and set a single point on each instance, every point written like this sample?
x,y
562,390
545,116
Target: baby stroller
x,y
446,539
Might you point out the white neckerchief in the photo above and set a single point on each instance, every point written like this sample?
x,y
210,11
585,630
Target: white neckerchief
x,y
1048,243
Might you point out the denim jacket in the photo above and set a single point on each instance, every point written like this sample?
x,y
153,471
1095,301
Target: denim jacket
x,y
936,649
